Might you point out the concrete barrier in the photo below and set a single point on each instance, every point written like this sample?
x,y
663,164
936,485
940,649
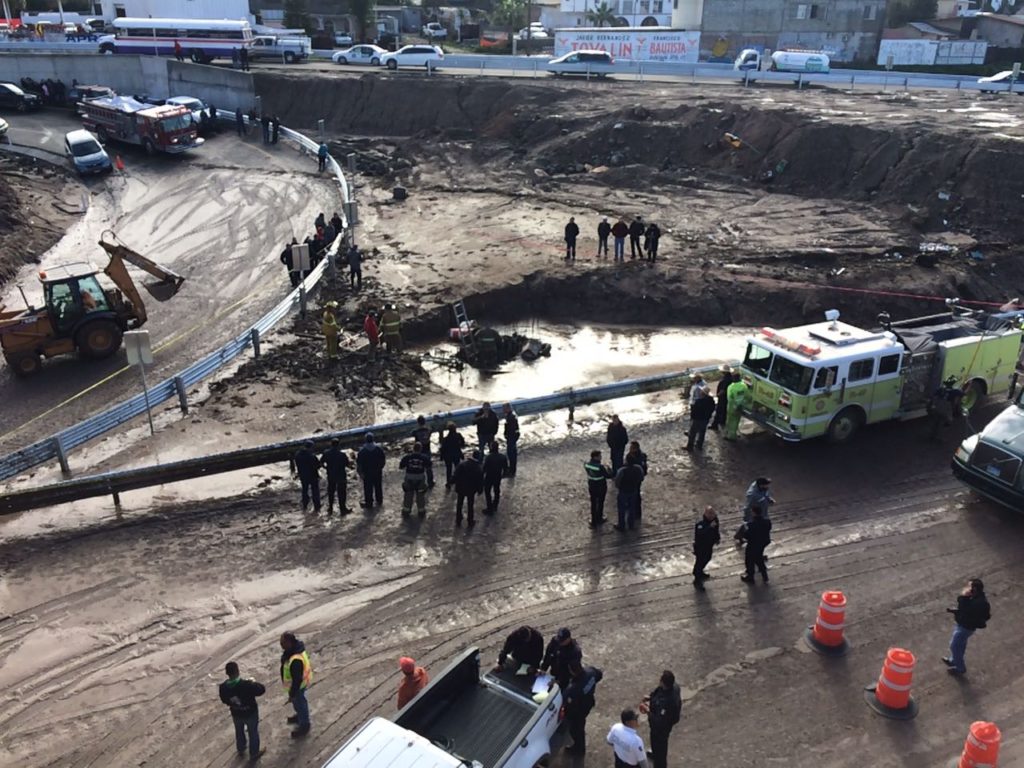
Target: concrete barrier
x,y
158,77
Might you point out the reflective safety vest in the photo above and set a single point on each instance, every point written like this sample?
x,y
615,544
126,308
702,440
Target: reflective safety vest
x,y
307,670
330,324
737,394
391,323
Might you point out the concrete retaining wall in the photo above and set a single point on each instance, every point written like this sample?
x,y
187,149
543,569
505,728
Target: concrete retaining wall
x,y
130,75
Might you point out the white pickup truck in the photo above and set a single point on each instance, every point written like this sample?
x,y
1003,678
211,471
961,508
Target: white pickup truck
x,y
288,49
434,30
462,719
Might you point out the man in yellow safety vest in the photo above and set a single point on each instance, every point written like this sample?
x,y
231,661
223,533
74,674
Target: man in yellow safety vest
x,y
391,329
296,675
331,329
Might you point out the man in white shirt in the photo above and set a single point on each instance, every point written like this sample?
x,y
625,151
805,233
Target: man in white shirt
x,y
698,387
627,744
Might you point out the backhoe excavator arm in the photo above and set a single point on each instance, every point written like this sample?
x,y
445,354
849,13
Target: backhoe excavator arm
x,y
168,281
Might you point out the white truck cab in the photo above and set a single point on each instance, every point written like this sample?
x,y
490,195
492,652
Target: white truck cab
x,y
751,60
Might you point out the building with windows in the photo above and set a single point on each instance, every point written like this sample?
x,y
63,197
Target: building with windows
x,y
847,30
628,13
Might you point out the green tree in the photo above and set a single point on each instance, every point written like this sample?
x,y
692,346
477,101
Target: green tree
x,y
509,13
902,12
296,15
365,13
601,15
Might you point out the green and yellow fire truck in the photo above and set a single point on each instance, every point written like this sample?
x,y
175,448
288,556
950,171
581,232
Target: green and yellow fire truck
x,y
831,378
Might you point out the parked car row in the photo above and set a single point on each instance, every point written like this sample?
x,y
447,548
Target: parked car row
x,y
406,56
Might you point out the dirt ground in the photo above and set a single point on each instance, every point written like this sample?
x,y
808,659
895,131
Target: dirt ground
x,y
112,658
37,204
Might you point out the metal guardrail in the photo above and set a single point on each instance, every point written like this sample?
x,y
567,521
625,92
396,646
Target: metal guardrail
x,y
57,446
115,483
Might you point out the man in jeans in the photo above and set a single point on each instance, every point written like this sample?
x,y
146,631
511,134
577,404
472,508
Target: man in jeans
x,y
701,412
628,480
240,696
296,675
414,483
972,612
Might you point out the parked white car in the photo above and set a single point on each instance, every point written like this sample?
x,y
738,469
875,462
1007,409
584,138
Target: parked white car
x,y
359,54
434,30
1001,82
582,63
534,32
195,106
343,38
413,56
3,128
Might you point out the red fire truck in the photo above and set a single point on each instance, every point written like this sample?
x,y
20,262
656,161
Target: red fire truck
x,y
168,128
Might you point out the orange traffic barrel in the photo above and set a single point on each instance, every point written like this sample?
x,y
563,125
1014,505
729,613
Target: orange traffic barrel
x,y
890,696
118,163
826,635
981,748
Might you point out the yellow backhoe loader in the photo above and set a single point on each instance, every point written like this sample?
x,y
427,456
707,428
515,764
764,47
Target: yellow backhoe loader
x,y
79,314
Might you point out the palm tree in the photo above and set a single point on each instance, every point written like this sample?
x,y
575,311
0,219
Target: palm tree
x,y
601,15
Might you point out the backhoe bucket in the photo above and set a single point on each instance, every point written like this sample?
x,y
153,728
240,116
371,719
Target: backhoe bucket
x,y
162,290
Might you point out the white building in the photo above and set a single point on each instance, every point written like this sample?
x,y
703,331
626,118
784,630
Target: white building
x,y
628,13
173,9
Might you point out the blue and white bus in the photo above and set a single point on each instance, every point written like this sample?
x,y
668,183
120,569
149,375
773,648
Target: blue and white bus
x,y
200,39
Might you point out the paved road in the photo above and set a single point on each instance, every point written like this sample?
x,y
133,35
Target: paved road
x,y
218,215
881,519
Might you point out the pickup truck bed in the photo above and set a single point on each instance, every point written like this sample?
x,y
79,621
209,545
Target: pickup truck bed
x,y
472,716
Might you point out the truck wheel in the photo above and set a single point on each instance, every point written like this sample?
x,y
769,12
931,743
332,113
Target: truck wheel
x,y
289,57
98,339
148,146
107,49
25,363
101,134
198,57
845,425
974,395
392,65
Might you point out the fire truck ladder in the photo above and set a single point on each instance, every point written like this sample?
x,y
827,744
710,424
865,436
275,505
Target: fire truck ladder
x,y
466,340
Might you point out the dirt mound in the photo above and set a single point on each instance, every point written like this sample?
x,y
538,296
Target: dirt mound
x,y
32,214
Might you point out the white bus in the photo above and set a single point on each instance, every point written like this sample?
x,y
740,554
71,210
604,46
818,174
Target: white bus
x,y
201,39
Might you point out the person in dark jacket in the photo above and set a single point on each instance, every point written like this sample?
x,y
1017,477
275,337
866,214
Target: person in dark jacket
x,y
620,232
722,400
486,423
239,122
307,466
972,613
495,465
641,461
240,696
289,262
296,675
705,536
598,476
265,126
243,58
636,231
452,445
275,129
628,480
336,462
663,708
561,654
414,483
422,436
604,229
700,417
511,432
370,463
354,257
579,700
572,231
524,646
651,237
617,440
468,479
758,535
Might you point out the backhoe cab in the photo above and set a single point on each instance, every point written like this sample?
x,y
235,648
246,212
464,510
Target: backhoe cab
x,y
79,313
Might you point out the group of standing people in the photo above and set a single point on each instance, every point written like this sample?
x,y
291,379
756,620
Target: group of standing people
x,y
643,239
324,233
480,472
270,125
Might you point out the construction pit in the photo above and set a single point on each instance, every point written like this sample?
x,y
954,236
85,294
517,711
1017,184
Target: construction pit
x,y
180,579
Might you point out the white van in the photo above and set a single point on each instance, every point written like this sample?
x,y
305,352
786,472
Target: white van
x,y
86,153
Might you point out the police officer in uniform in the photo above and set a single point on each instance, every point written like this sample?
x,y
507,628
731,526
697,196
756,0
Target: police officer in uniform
x,y
705,537
336,462
598,475
579,701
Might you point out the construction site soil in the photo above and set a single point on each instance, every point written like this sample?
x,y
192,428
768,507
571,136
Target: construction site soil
x,y
37,204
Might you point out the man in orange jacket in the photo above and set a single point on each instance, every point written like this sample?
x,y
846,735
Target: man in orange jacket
x,y
414,680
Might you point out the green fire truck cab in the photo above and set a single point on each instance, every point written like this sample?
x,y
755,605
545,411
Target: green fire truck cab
x,y
831,378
